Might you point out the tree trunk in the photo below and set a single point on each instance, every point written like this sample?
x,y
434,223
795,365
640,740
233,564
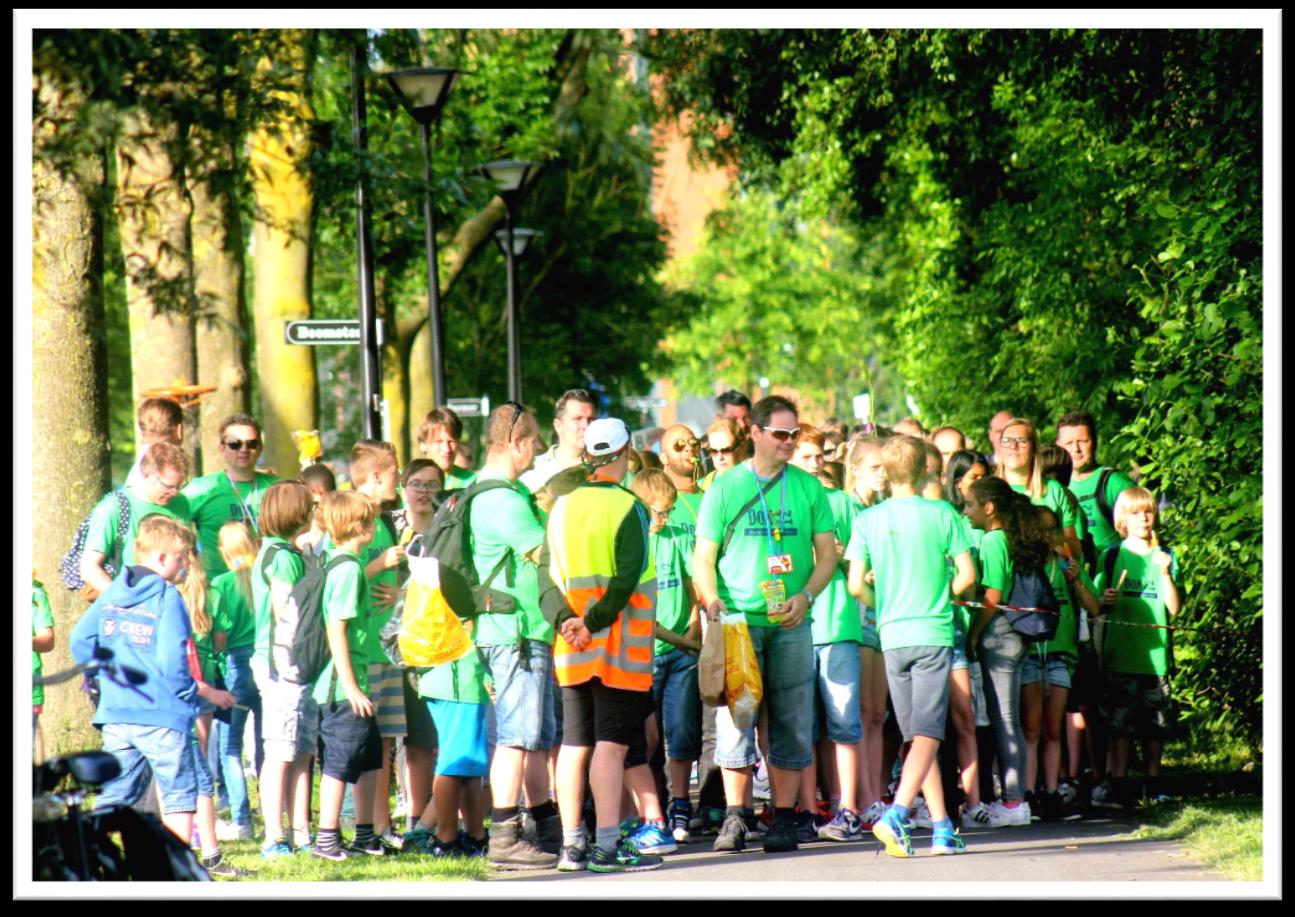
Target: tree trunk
x,y
218,286
69,382
421,396
153,217
277,151
395,375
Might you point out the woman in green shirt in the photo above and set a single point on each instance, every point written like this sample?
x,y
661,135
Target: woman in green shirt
x,y
1019,466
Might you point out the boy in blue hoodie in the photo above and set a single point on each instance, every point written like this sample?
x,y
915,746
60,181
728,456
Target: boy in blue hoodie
x,y
142,619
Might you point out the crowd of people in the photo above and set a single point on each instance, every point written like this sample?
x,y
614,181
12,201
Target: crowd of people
x,y
878,579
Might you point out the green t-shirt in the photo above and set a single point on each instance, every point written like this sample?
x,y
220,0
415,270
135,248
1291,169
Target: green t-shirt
x,y
504,520
669,547
995,563
1066,640
215,499
1136,650
209,661
230,613
375,618
462,680
683,519
836,613
1055,498
1085,491
285,567
961,615
798,504
41,618
906,540
459,478
102,533
346,598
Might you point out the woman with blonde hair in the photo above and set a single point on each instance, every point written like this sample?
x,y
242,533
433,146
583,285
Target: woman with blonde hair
x,y
1020,466
726,445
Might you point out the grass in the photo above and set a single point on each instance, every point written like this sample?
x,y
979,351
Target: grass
x,y
1225,834
405,867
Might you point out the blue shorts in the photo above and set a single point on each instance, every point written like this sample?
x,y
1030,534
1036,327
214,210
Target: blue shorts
x,y
678,705
461,730
786,659
959,647
524,697
151,751
837,669
868,617
1055,668
206,783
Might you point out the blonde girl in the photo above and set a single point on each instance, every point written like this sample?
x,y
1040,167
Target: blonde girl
x,y
1019,465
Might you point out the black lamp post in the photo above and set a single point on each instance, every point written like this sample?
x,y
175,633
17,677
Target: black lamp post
x,y
423,92
370,357
510,176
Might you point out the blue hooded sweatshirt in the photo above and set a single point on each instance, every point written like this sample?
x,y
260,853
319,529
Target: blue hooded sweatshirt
x,y
145,623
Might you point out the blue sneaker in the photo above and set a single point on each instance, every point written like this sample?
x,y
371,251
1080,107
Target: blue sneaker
x,y
893,833
680,819
844,826
947,842
273,849
625,859
651,838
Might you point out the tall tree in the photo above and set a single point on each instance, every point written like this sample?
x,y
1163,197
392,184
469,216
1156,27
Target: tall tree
x,y
69,372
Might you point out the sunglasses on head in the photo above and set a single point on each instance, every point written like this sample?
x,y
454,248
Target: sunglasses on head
x,y
236,445
518,411
783,435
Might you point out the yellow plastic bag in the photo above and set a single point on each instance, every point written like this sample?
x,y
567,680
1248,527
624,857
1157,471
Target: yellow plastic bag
x,y
430,633
743,686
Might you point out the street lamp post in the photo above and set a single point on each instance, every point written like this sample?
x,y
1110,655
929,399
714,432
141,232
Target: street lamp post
x,y
423,92
370,357
510,176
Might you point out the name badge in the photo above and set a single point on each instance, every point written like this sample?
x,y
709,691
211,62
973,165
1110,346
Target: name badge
x,y
775,596
779,563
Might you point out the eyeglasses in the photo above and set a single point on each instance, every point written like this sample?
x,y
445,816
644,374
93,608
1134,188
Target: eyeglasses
x,y
680,445
236,445
712,450
170,488
1014,442
424,486
783,435
662,513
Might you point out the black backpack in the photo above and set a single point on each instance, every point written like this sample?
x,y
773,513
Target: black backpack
x,y
69,568
449,540
299,650
1031,589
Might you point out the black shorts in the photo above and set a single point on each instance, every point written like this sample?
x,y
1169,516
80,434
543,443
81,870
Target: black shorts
x,y
593,712
420,730
352,744
1083,685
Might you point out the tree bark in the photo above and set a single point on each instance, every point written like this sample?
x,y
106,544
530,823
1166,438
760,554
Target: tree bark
x,y
278,149
220,337
153,218
70,468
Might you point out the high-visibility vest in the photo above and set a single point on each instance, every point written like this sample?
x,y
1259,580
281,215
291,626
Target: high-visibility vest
x,y
582,542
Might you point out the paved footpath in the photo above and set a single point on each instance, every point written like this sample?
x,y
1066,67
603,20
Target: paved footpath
x,y
1096,850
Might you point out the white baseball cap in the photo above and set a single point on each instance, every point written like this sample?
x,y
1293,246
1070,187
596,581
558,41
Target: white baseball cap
x,y
606,436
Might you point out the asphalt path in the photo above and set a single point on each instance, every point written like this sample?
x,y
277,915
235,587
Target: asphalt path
x,y
1097,850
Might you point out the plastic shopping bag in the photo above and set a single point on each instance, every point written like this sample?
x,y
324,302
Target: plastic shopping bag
x,y
743,686
423,631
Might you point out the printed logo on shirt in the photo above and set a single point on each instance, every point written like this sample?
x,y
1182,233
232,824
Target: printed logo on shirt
x,y
235,512
758,524
1140,589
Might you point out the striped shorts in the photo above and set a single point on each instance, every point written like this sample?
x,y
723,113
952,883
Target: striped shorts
x,y
388,698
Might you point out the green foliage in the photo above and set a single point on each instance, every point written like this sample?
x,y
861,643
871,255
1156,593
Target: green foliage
x,y
1062,219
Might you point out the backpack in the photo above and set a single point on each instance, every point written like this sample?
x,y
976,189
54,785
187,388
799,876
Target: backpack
x,y
69,568
299,650
1031,589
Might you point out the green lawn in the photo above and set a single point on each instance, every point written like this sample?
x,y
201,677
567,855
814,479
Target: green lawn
x,y
405,867
1225,834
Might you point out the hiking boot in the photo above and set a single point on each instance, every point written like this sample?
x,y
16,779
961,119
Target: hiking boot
x,y
548,834
806,826
651,838
680,819
624,859
844,826
573,859
944,843
983,816
783,835
732,835
894,835
509,850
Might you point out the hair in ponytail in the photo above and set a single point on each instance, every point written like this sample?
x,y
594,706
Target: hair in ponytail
x,y
1027,541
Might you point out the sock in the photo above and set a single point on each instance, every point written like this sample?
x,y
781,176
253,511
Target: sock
x,y
364,836
943,826
300,837
608,839
901,812
675,802
546,809
328,839
574,837
502,815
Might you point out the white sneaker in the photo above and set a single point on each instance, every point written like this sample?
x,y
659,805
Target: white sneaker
x,y
228,831
1016,817
760,785
871,814
983,816
920,816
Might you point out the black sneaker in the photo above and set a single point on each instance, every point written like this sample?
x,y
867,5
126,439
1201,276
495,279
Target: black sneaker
x,y
624,859
781,836
1050,806
806,826
373,848
732,835
573,859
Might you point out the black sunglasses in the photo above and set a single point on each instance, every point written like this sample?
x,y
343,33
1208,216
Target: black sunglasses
x,y
236,445
518,411
711,450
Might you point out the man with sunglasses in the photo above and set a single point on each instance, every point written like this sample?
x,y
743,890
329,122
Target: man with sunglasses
x,y
231,495
765,548
572,414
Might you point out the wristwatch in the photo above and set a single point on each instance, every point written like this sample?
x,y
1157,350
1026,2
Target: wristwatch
x,y
809,596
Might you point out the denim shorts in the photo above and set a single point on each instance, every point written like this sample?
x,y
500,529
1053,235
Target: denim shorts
x,y
206,783
291,716
151,751
524,708
461,729
919,689
868,617
678,705
388,698
960,660
837,669
1058,670
786,659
